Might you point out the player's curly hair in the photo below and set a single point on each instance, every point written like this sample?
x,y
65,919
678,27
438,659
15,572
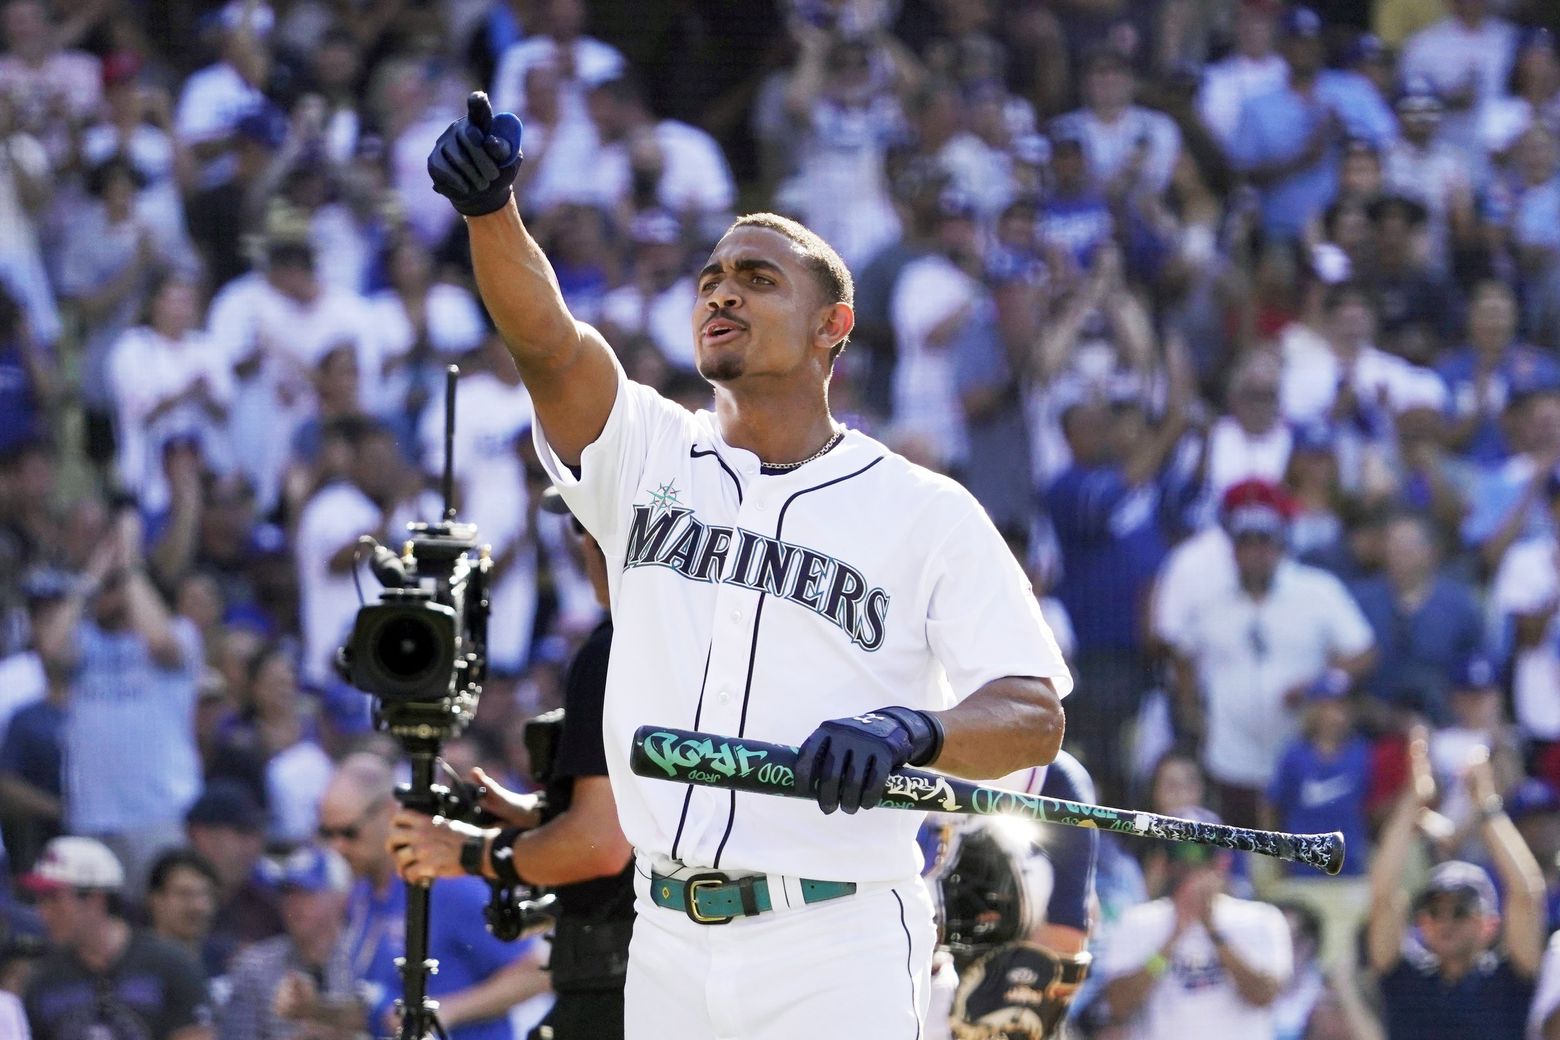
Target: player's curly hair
x,y
832,275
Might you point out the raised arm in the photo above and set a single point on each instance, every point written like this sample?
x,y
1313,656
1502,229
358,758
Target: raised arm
x,y
566,365
1388,906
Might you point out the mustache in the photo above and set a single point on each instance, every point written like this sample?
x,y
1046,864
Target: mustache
x,y
724,315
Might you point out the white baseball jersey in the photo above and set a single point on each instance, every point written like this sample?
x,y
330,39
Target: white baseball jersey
x,y
761,605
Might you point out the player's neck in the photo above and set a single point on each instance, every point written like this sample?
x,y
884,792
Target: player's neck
x,y
777,428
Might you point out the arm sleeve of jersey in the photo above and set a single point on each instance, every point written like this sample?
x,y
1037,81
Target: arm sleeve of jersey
x,y
611,465
1073,851
983,621
1351,633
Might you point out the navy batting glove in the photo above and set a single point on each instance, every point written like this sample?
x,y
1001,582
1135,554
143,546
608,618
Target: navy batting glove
x,y
476,160
846,762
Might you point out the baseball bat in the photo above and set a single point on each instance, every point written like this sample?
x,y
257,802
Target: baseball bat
x,y
758,767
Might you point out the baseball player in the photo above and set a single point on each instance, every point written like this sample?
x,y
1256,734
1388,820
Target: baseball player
x,y
1016,901
773,575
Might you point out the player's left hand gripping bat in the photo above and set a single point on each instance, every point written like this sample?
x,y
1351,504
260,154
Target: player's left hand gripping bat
x,y
740,764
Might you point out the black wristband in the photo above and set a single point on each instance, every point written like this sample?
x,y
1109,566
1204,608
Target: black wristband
x,y
925,729
501,857
471,851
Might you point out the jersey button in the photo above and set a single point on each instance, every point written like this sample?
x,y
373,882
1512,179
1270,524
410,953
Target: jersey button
x,y
724,695
736,615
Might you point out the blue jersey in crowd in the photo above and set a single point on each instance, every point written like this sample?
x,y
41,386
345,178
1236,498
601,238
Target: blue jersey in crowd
x,y
457,938
1314,794
1112,544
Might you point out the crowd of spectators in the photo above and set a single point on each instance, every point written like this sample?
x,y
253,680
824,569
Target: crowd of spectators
x,y
1240,317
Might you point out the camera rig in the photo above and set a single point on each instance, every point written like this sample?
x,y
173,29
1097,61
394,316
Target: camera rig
x,y
421,653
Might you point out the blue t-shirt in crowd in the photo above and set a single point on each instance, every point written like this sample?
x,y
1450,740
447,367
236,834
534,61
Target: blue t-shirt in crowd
x,y
32,747
1519,366
457,938
1315,794
1418,652
1078,223
1276,127
1112,542
1489,1003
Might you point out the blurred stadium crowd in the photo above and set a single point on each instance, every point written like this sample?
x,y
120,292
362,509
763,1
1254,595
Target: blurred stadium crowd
x,y
1241,318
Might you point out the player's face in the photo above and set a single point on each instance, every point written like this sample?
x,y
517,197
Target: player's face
x,y
760,312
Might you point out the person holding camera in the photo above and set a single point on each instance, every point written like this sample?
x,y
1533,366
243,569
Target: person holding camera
x,y
570,842
480,978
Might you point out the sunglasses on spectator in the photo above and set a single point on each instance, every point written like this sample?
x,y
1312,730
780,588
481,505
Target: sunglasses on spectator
x,y
350,832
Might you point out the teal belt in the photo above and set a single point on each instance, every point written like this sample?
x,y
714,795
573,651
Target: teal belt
x,y
714,898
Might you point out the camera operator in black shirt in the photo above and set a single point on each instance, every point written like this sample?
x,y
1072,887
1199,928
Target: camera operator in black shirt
x,y
568,841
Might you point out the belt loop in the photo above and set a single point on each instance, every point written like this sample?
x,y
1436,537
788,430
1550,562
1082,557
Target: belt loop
x,y
750,905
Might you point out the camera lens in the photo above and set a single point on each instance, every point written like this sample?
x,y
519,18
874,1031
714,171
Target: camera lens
x,y
407,648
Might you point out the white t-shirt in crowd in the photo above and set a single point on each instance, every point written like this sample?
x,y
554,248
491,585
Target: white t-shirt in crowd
x,y
328,601
1109,147
1200,568
665,317
145,370
1448,55
492,417
428,214
694,174
295,779
592,60
1196,997
454,323
930,290
1527,583
1248,653
1235,455
1227,85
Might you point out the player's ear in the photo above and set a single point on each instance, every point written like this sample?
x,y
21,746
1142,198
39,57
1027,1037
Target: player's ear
x,y
836,322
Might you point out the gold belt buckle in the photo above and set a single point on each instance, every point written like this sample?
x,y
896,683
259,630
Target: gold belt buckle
x,y
709,879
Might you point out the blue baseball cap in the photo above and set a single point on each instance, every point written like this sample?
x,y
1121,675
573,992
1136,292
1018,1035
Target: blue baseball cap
x,y
1316,435
1465,880
1532,797
1304,23
1476,672
310,868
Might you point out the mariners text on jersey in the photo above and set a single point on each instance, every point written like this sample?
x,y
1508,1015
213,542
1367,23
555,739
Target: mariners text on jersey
x,y
676,538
